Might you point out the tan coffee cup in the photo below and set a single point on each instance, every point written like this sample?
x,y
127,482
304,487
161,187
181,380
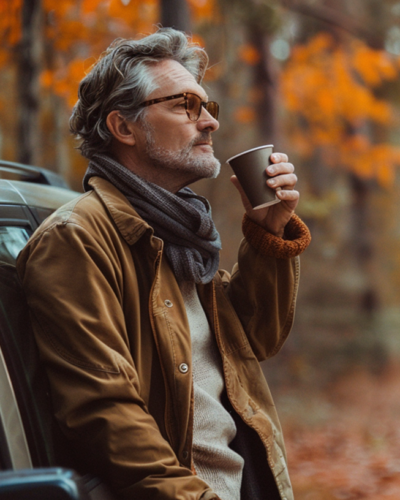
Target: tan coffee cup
x,y
249,167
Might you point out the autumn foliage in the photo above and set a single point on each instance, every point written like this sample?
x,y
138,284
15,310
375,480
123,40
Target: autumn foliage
x,y
332,110
354,453
329,91
75,32
330,94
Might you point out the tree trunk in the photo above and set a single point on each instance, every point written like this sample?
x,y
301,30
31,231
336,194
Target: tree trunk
x,y
265,84
175,14
28,82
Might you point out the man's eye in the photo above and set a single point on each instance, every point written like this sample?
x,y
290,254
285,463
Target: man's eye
x,y
180,107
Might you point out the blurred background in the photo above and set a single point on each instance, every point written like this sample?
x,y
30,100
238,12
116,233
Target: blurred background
x,y
319,79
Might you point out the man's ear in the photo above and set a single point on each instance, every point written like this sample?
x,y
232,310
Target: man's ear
x,y
121,129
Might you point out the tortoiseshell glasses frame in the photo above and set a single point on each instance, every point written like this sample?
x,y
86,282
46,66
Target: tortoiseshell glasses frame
x,y
193,105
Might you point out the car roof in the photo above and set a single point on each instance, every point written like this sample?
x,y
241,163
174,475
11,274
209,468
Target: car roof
x,y
36,195
30,173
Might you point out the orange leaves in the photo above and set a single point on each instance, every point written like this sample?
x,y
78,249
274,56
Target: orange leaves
x,y
197,39
139,15
313,49
90,6
61,9
203,9
10,22
373,66
65,81
353,452
330,90
370,160
244,115
249,54
78,31
323,78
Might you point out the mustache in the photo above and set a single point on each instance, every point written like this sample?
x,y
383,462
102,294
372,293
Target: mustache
x,y
202,137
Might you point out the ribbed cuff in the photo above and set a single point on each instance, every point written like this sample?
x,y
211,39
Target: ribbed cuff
x,y
296,239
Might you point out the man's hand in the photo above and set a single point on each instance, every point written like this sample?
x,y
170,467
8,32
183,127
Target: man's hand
x,y
275,217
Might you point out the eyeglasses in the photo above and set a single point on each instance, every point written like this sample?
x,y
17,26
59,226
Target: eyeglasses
x,y
193,105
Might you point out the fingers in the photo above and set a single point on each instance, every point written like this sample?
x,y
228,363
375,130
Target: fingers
x,y
280,168
283,181
281,172
292,196
279,158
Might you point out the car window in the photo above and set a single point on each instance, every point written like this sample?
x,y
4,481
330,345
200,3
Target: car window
x,y
41,213
12,241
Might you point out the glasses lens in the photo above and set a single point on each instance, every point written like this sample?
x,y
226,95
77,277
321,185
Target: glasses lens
x,y
193,106
213,108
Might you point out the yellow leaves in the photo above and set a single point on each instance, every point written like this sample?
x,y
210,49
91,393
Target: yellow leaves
x,y
249,54
330,89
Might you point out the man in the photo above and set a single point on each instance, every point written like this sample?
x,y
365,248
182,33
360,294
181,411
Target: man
x,y
151,352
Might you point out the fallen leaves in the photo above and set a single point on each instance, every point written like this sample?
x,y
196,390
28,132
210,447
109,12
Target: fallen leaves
x,y
355,453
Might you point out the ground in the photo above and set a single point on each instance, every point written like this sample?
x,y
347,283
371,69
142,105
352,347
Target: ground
x,y
343,443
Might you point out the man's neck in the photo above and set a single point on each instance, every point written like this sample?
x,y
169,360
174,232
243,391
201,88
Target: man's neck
x,y
171,180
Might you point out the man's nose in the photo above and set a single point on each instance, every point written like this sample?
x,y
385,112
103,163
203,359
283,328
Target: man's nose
x,y
206,121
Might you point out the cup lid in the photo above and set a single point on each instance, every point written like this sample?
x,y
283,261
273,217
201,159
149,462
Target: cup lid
x,y
249,151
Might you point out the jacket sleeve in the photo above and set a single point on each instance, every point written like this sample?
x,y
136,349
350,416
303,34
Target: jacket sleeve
x,y
264,283
74,293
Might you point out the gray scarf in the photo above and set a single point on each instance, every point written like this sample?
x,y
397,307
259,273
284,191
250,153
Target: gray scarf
x,y
183,220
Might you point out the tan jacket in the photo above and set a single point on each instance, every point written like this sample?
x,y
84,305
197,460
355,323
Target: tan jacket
x,y
113,333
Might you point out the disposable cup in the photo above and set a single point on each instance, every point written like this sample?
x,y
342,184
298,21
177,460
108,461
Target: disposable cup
x,y
250,169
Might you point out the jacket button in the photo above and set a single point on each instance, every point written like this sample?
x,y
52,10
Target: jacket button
x,y
183,368
168,303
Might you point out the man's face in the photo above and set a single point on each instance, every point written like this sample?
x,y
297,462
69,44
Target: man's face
x,y
171,143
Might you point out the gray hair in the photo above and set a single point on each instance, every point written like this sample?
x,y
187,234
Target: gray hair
x,y
121,80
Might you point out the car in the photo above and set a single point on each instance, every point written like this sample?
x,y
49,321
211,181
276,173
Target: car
x,y
34,458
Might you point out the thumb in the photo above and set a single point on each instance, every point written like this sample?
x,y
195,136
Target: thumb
x,y
245,200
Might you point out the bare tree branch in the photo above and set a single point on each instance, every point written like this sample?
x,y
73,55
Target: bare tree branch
x,y
337,19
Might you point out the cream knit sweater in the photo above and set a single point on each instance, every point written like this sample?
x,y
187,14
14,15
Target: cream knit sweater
x,y
213,427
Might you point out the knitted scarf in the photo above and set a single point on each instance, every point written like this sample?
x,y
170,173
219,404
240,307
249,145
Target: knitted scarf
x,y
183,220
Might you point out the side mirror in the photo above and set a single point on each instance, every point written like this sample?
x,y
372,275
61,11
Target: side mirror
x,y
42,484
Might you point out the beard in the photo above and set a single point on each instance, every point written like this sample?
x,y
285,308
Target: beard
x,y
202,165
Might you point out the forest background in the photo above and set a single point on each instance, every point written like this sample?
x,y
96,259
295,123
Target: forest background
x,y
319,79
